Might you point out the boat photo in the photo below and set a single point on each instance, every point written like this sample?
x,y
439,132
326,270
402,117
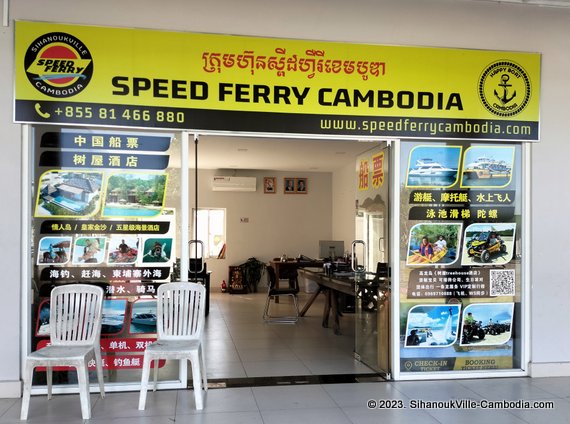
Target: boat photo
x,y
429,168
486,167
433,166
416,258
112,323
433,244
144,319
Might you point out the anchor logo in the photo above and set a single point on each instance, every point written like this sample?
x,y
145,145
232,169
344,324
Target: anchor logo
x,y
504,88
504,83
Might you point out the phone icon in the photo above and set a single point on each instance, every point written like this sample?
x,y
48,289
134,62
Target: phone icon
x,y
44,115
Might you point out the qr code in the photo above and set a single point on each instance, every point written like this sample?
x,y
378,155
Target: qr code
x,y
502,282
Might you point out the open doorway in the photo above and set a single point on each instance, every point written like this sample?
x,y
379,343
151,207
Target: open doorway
x,y
269,224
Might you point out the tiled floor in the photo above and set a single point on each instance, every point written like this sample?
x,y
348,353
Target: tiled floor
x,y
239,345
328,403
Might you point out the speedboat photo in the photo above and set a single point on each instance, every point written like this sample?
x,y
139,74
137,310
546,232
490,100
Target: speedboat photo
x,y
144,319
112,323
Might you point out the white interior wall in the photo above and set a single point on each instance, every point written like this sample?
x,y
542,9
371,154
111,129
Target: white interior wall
x,y
445,23
343,199
278,223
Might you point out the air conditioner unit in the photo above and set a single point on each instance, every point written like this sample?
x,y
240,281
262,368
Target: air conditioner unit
x,y
234,184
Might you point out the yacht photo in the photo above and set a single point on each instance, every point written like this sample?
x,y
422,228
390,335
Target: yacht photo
x,y
428,168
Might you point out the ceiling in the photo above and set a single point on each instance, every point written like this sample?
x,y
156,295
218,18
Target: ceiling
x,y
279,154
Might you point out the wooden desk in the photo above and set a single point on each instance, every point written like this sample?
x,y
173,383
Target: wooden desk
x,y
332,286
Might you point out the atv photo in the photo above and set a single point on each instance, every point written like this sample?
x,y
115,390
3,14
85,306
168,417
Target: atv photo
x,y
482,246
471,331
496,328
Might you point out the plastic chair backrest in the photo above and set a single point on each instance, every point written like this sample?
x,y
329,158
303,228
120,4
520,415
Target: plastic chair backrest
x,y
181,311
75,314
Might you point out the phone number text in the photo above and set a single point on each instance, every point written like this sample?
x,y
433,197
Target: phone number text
x,y
129,114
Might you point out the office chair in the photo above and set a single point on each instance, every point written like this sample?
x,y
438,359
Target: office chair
x,y
274,292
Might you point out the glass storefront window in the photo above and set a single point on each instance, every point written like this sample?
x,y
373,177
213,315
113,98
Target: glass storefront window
x,y
103,213
460,272
211,230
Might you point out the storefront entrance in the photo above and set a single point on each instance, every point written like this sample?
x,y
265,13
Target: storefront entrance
x,y
79,238
111,200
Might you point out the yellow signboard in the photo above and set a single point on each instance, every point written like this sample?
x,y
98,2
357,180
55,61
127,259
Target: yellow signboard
x,y
148,78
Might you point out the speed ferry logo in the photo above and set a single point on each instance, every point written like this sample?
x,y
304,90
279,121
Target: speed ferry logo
x,y
504,88
58,65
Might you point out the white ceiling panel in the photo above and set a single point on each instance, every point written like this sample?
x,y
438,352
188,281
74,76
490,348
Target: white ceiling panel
x,y
280,154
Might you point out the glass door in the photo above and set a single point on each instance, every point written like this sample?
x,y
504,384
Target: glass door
x,y
372,320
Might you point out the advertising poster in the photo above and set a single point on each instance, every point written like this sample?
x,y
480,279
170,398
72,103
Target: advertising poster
x,y
100,216
460,286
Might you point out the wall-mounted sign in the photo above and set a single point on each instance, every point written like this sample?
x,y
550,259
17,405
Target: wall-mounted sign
x,y
146,78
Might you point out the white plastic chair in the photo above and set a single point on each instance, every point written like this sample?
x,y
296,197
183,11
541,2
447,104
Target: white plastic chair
x,y
179,327
75,330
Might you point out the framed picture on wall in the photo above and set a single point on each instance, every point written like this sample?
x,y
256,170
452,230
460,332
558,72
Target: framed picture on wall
x,y
301,185
289,185
269,185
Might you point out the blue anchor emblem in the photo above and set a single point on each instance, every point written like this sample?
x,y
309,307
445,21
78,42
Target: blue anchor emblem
x,y
505,99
